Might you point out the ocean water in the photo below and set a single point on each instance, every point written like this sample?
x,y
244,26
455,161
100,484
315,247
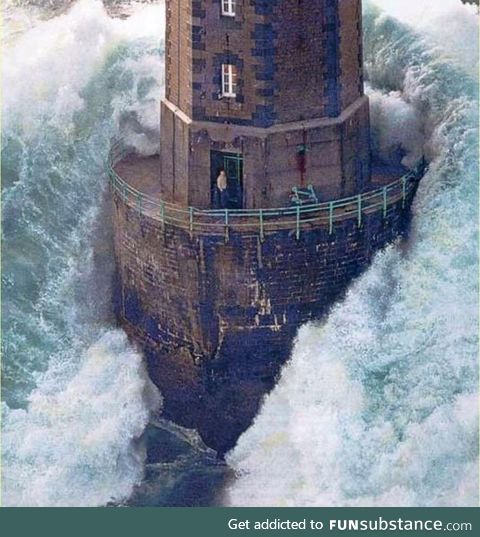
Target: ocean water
x,y
75,397
376,406
379,404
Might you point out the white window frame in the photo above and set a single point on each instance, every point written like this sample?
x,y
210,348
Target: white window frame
x,y
228,8
229,83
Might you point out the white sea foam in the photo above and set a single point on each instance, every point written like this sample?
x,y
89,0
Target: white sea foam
x,y
446,23
396,126
47,68
75,446
77,397
378,406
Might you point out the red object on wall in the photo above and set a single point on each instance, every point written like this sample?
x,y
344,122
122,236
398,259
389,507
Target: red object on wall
x,y
302,163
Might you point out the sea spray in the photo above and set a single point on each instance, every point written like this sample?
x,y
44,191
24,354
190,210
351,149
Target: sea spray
x,y
378,406
74,446
76,395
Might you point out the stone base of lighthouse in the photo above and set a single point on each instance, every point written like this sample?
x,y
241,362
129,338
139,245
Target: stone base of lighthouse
x,y
216,318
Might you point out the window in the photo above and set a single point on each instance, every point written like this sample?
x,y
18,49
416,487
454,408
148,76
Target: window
x,y
229,80
228,8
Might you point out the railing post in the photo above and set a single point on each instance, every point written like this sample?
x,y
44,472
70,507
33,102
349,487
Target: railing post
x,y
359,201
125,195
298,222
139,203
262,235
330,217
190,209
227,233
404,191
385,202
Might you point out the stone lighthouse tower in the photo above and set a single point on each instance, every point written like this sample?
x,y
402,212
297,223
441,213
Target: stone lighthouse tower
x,y
271,91
261,206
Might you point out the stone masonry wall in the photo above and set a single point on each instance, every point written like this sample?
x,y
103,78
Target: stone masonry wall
x,y
295,60
216,320
337,160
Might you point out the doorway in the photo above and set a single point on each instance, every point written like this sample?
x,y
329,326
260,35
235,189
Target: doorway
x,y
231,195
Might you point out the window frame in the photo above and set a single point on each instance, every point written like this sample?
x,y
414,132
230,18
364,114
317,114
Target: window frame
x,y
229,80
228,8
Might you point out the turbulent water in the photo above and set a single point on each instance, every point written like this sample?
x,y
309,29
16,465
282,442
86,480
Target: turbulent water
x,y
377,406
75,395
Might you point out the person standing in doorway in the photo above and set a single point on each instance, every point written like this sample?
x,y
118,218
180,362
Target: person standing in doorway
x,y
222,189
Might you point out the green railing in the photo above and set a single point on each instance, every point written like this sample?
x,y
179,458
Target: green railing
x,y
263,221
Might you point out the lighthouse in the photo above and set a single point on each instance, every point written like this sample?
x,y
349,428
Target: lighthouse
x,y
259,210
269,91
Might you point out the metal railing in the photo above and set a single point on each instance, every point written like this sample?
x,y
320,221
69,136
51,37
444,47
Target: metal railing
x,y
263,221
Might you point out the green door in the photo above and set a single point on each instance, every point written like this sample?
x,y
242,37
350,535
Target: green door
x,y
233,165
